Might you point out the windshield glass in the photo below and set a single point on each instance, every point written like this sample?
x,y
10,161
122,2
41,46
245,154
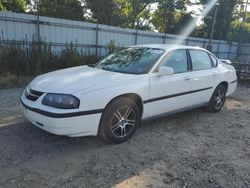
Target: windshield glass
x,y
131,60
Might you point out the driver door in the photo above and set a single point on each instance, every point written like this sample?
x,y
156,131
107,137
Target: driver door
x,y
170,92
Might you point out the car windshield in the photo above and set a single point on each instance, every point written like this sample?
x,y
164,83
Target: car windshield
x,y
131,60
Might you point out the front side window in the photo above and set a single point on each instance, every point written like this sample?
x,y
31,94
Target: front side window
x,y
131,60
177,60
200,60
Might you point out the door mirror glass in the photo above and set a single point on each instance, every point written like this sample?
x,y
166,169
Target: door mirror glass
x,y
164,71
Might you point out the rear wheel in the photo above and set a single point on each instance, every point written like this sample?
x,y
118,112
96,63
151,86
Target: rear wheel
x,y
119,121
218,99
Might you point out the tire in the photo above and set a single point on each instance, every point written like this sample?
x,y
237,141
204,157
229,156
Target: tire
x,y
218,99
119,121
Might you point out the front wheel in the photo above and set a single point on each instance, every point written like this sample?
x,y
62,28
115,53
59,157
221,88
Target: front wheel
x,y
119,121
218,99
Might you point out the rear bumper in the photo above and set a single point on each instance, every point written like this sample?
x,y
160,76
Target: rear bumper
x,y
232,87
74,126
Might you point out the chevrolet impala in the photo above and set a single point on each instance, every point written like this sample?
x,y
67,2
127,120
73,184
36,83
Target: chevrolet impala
x,y
111,97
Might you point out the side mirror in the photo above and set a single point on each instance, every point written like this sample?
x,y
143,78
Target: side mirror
x,y
164,71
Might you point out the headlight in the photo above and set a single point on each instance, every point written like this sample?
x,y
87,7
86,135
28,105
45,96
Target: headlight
x,y
61,101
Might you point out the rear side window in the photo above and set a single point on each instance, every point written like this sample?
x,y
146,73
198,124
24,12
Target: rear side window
x,y
200,60
177,60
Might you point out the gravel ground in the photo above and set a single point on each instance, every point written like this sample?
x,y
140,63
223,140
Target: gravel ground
x,y
191,149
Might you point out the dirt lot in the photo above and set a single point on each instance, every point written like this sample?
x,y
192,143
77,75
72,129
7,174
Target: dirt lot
x,y
191,149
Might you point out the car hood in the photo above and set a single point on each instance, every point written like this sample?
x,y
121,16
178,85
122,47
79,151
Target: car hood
x,y
76,79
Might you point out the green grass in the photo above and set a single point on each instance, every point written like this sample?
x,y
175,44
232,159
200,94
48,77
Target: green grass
x,y
12,81
22,61
22,58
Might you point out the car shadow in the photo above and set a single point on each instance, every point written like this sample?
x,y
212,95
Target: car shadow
x,y
22,141
58,161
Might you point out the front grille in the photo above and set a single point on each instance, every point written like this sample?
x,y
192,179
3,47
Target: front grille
x,y
32,94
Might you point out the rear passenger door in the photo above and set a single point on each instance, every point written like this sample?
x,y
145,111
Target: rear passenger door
x,y
204,76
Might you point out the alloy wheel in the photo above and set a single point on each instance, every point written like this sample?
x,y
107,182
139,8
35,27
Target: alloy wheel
x,y
123,122
219,98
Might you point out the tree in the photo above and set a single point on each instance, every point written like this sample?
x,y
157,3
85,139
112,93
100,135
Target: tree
x,y
171,16
240,27
136,12
66,9
226,11
104,11
19,6
124,13
240,32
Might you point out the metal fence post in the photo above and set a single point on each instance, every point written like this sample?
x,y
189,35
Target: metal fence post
x,y
204,43
239,50
136,36
165,38
39,64
97,41
229,52
38,28
218,48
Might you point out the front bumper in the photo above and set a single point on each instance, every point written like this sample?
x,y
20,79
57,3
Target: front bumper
x,y
70,124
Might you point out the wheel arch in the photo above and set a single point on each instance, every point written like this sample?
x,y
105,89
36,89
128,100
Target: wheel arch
x,y
225,84
133,96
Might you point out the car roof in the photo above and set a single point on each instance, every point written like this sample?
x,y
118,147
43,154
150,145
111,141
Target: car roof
x,y
167,46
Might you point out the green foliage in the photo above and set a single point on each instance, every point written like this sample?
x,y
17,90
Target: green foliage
x,y
104,12
200,31
171,16
226,12
19,6
124,13
134,12
70,56
23,58
240,27
66,9
1,5
240,32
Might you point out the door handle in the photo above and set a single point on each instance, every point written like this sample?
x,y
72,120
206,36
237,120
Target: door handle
x,y
187,78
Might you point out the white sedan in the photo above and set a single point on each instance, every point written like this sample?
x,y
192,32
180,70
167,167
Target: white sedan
x,y
111,97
